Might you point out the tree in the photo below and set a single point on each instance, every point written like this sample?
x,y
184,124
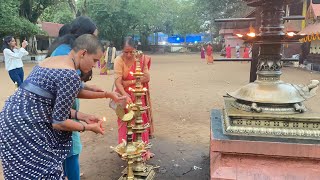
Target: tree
x,y
153,16
215,9
119,18
188,20
32,10
59,13
11,23
112,17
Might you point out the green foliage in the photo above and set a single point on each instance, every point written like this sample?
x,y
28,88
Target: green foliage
x,y
112,17
12,23
32,10
119,18
215,9
188,19
59,13
220,8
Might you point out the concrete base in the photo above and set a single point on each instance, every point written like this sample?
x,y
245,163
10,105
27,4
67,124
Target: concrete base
x,y
259,158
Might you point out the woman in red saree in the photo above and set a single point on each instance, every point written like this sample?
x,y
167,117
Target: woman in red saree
x,y
124,64
209,54
246,52
228,51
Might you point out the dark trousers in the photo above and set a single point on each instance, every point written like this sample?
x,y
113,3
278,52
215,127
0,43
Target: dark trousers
x,y
16,75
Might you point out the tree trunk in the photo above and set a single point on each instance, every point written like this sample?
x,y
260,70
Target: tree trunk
x,y
72,5
33,45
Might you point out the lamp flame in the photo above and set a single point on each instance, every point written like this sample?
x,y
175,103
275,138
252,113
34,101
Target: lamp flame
x,y
104,119
145,89
291,34
131,89
131,72
251,34
239,35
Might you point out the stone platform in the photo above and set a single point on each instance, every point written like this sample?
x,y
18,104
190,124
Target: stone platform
x,y
260,158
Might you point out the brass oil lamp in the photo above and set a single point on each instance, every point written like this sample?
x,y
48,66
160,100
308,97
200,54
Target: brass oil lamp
x,y
131,149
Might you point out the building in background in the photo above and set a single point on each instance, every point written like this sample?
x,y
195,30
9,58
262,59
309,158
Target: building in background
x,y
311,46
51,32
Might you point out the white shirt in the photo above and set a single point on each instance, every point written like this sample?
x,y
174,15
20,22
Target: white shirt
x,y
13,59
237,48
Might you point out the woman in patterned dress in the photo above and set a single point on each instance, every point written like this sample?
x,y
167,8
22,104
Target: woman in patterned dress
x,y
35,125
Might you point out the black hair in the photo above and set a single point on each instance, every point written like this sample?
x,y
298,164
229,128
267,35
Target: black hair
x,y
64,30
81,25
6,41
128,41
88,42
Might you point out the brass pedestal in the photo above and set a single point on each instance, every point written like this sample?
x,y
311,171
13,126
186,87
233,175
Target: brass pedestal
x,y
149,174
238,122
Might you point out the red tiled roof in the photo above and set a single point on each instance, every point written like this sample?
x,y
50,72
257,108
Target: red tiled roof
x,y
312,28
51,28
316,9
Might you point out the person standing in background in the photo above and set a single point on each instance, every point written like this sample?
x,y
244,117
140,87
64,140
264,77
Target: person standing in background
x,y
12,58
209,54
203,50
238,51
110,55
228,51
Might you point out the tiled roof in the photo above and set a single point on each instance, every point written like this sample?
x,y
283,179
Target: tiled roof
x,y
312,28
316,9
51,28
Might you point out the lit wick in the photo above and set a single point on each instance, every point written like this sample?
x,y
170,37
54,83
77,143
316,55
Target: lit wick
x,y
291,34
104,119
251,34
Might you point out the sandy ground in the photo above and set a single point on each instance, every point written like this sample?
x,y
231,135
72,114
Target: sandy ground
x,y
184,89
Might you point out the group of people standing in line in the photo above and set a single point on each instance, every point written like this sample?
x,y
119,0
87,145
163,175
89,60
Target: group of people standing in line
x,y
40,123
207,52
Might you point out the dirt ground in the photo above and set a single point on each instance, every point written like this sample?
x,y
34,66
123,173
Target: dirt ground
x,y
183,90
